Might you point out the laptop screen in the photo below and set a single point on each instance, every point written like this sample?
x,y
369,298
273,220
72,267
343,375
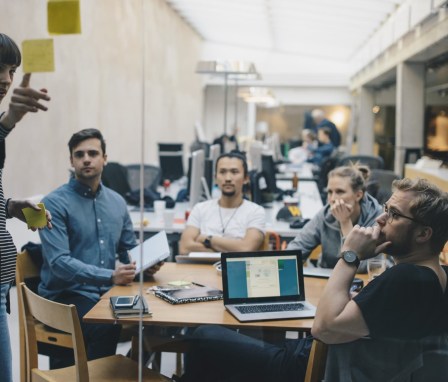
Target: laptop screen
x,y
262,276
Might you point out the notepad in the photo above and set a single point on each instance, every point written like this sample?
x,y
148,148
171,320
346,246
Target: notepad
x,y
134,311
36,219
155,250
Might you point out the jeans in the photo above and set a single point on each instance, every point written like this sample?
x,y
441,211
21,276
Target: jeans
x,y
100,340
221,354
5,343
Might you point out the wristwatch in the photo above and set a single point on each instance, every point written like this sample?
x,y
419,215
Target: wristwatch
x,y
351,258
208,241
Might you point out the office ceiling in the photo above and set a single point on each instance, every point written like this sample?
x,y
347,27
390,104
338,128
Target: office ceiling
x,y
305,32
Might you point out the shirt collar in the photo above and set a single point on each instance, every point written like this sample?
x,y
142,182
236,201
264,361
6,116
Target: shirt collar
x,y
84,190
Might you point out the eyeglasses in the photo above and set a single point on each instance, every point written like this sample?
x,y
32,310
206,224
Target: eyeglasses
x,y
392,214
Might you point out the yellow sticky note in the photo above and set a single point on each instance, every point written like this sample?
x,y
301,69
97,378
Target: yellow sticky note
x,y
63,17
38,56
37,219
179,283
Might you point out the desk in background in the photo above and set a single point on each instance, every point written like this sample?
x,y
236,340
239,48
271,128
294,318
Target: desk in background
x,y
304,171
438,176
310,204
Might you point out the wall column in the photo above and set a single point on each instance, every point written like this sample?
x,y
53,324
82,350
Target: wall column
x,y
365,134
410,101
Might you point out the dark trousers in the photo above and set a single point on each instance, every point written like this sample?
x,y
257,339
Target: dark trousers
x,y
100,340
221,354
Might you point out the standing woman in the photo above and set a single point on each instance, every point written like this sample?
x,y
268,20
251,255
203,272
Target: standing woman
x,y
23,100
348,204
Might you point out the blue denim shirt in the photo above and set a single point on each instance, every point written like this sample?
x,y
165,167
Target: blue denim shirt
x,y
88,231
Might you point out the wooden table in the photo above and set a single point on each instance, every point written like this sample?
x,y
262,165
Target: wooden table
x,y
195,314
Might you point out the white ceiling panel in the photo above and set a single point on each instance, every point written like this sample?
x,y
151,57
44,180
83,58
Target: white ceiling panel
x,y
326,31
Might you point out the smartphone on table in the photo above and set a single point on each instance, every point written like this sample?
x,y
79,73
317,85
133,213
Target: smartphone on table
x,y
126,301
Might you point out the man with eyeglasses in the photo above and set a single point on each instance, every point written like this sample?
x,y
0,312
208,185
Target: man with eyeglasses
x,y
406,306
91,227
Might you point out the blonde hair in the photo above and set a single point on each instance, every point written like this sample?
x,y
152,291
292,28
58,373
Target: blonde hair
x,y
356,172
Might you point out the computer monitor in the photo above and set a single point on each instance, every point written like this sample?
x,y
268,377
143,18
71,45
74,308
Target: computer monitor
x,y
196,175
268,166
255,151
215,152
171,160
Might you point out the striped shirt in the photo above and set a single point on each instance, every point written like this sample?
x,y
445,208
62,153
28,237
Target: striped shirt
x,y
8,251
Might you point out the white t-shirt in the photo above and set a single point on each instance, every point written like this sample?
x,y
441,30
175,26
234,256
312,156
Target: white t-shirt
x,y
211,219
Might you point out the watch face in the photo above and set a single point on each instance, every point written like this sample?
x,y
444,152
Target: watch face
x,y
350,256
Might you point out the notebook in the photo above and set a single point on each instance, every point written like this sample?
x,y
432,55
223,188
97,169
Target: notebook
x,y
265,285
194,293
155,250
127,312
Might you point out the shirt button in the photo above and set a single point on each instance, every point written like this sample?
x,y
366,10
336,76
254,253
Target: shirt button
x,y
99,220
102,261
101,241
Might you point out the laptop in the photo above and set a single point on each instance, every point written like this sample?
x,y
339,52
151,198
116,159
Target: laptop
x,y
266,285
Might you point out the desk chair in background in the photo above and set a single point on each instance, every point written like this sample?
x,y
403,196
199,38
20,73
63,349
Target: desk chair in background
x,y
152,176
64,318
373,161
115,177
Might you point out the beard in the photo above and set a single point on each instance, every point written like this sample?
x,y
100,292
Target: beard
x,y
228,193
401,247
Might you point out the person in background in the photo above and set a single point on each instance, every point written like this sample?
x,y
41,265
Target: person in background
x,y
404,310
319,119
348,204
230,223
300,154
24,100
325,148
91,227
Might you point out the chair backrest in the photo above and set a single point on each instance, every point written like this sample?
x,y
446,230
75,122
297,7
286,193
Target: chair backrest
x,y
57,316
152,176
380,184
315,370
373,161
271,242
115,177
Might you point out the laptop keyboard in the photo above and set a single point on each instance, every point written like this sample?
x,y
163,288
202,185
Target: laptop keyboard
x,y
265,308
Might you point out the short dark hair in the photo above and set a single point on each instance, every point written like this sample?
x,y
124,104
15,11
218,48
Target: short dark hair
x,y
234,154
83,135
9,51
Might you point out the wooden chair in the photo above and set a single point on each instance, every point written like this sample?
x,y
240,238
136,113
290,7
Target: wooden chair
x,y
65,318
28,271
315,370
271,241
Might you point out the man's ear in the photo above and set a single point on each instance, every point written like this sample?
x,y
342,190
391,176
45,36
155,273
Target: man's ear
x,y
424,234
105,159
71,160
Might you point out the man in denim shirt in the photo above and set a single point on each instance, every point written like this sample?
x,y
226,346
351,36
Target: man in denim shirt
x,y
91,226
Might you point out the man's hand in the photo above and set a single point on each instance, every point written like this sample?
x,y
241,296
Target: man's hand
x,y
154,269
364,241
124,274
23,100
15,210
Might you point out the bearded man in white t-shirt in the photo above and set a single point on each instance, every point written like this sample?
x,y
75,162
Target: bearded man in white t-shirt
x,y
229,223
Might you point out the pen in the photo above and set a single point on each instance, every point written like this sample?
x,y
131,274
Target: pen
x,y
136,298
200,285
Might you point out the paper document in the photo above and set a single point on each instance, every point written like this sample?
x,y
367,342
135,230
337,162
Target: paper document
x,y
155,249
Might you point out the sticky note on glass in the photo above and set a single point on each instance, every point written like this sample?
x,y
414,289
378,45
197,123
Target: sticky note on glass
x,y
36,219
38,56
63,17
